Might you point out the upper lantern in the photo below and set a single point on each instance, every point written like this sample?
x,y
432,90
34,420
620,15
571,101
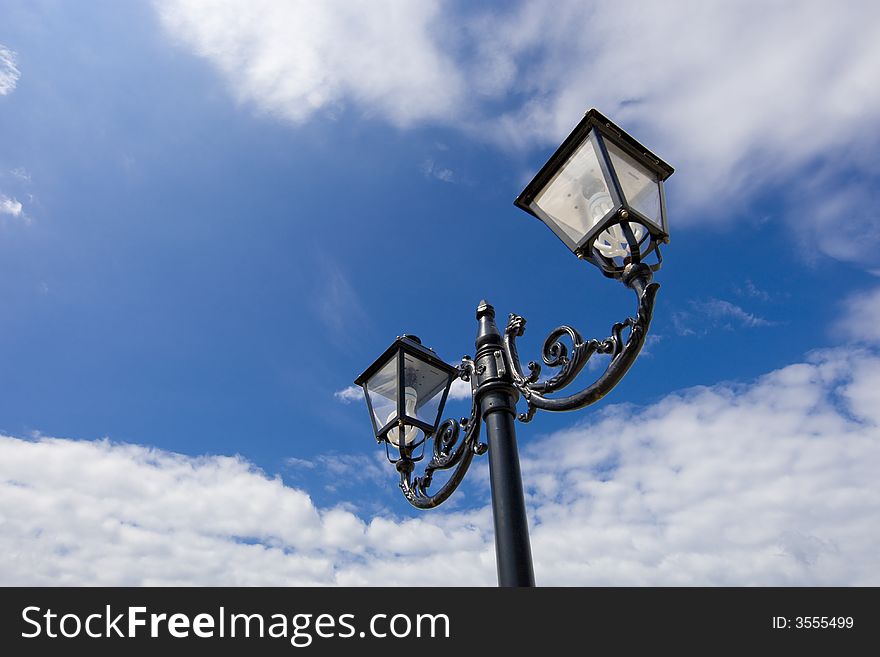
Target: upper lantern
x,y
406,390
602,194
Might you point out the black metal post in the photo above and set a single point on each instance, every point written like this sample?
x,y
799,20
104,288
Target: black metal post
x,y
497,397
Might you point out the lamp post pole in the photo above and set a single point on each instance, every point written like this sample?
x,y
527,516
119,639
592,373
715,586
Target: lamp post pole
x,y
497,397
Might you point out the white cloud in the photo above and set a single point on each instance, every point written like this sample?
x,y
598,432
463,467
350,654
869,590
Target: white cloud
x,y
12,207
294,58
15,184
768,483
838,213
773,482
714,88
349,394
860,320
460,389
9,73
101,513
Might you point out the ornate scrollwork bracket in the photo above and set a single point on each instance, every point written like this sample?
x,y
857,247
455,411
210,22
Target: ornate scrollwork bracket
x,y
571,361
453,452
448,452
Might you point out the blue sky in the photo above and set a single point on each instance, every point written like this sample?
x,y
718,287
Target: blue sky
x,y
214,216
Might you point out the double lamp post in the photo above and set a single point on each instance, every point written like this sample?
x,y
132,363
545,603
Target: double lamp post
x,y
602,194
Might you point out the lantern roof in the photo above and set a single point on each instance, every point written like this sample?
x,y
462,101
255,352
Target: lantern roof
x,y
593,119
412,345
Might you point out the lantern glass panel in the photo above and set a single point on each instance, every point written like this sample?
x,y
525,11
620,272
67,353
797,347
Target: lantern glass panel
x,y
382,388
577,197
428,382
640,186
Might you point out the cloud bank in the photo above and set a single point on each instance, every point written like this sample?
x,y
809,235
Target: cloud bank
x,y
767,483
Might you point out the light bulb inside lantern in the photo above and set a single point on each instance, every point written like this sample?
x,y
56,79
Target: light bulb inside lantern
x,y
611,242
410,432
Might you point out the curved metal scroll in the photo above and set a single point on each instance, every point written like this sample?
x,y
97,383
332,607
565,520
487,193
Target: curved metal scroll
x,y
555,353
448,453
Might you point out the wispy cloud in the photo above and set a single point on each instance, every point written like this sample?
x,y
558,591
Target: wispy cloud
x,y
651,340
337,303
432,170
725,103
294,462
767,483
16,184
349,394
340,471
458,390
21,174
9,73
721,310
355,467
751,291
842,212
860,320
715,313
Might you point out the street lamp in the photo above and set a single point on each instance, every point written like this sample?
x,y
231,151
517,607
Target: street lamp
x,y
602,194
406,390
